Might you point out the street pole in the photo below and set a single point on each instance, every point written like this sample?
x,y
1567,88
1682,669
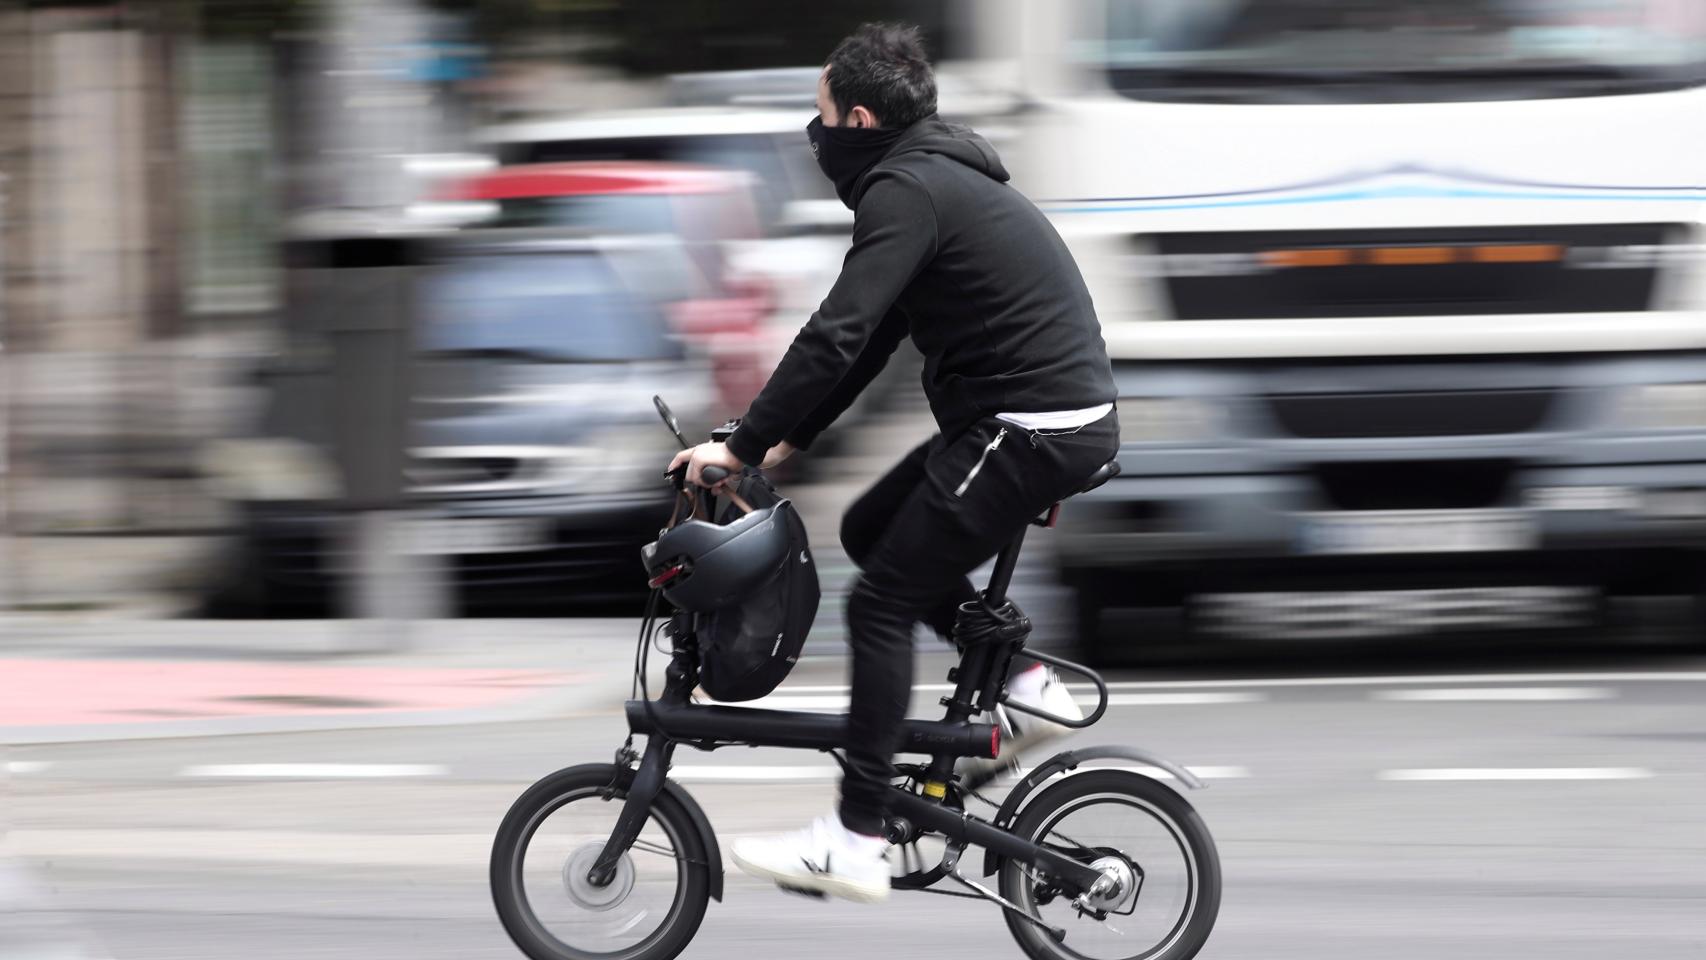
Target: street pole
x,y
9,594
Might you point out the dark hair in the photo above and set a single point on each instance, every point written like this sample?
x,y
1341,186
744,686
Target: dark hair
x,y
882,67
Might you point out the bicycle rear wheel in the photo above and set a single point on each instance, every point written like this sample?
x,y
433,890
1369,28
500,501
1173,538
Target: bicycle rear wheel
x,y
1141,832
548,842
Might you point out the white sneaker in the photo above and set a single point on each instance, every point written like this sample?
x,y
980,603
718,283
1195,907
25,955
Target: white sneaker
x,y
824,859
1029,733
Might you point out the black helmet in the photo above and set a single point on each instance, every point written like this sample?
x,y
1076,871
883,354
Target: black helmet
x,y
705,566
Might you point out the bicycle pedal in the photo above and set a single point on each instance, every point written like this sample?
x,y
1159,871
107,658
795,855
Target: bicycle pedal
x,y
803,892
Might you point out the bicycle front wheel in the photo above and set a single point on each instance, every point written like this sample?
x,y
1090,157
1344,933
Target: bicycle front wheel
x,y
548,843
1133,829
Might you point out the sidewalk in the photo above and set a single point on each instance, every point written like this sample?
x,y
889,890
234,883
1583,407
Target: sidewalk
x,y
64,679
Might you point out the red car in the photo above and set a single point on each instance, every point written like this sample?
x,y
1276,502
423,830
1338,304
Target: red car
x,y
683,216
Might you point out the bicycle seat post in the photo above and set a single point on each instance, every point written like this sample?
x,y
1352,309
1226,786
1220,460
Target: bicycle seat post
x,y
1002,578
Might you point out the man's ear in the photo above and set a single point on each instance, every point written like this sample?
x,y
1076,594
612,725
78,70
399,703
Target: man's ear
x,y
861,117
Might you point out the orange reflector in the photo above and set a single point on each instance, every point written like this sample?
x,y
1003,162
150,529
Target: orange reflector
x,y
1411,256
1306,258
1519,253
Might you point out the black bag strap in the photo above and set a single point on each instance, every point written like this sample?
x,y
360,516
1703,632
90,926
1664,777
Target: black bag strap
x,y
737,500
697,504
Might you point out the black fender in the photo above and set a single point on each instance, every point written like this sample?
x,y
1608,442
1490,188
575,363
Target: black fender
x,y
701,823
1065,762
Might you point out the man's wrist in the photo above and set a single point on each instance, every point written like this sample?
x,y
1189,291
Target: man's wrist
x,y
747,445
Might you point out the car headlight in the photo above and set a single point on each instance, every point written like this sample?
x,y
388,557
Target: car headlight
x,y
615,461
1166,419
1666,406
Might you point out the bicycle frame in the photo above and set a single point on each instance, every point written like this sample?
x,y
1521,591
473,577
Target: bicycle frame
x,y
980,685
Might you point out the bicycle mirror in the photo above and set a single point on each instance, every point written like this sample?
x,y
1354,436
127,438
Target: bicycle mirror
x,y
669,420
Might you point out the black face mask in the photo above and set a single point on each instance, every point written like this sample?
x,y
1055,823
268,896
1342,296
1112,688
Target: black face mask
x,y
846,153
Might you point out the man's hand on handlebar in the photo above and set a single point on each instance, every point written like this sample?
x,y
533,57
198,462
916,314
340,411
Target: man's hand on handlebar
x,y
712,454
716,454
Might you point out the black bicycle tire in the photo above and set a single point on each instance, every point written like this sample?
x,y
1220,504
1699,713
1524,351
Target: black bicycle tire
x,y
692,897
1036,944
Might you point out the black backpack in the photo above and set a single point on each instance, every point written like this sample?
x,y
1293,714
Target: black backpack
x,y
747,650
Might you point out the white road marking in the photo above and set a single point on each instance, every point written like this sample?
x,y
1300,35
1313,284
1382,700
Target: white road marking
x,y
25,767
786,702
1651,676
313,771
1161,699
1201,773
1180,699
754,774
1381,681
844,688
1494,694
822,774
320,848
1517,773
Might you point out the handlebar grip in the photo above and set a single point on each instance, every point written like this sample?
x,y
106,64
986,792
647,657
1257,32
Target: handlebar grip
x,y
711,476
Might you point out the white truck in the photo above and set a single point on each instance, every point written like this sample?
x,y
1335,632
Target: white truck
x,y
1407,302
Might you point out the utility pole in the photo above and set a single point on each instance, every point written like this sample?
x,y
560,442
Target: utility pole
x,y
371,116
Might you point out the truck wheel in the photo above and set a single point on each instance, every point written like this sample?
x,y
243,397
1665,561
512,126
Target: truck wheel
x,y
1696,639
1141,624
1105,640
1087,608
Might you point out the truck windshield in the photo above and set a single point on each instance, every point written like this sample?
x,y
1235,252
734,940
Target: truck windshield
x,y
1309,51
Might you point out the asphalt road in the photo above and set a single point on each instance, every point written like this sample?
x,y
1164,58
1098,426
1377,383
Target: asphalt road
x,y
1473,808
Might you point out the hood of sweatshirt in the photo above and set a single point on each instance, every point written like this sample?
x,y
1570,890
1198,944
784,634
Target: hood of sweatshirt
x,y
956,141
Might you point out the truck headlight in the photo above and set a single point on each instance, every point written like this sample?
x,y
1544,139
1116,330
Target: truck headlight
x,y
1666,406
1166,419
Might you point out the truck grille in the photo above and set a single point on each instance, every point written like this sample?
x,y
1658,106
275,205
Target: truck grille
x,y
1464,413
1595,268
1414,484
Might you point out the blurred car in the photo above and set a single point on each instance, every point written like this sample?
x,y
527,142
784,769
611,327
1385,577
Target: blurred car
x,y
535,456
804,231
689,217
768,144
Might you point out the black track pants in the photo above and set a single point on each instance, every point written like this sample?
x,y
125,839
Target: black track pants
x,y
942,511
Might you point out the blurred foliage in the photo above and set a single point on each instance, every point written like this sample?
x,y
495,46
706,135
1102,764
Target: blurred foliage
x,y
667,36
509,22
257,19
644,36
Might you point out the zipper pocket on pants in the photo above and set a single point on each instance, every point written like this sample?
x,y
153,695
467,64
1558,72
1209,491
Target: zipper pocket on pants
x,y
971,475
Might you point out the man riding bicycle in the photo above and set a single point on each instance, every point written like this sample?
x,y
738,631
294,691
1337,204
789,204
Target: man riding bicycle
x,y
1018,380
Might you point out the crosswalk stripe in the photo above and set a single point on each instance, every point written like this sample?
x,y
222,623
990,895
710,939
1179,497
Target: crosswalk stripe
x,y
312,771
1494,694
1517,773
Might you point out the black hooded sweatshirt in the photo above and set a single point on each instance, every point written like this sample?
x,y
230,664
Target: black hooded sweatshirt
x,y
946,252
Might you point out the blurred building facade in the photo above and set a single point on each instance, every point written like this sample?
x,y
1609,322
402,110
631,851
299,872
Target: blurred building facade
x,y
154,152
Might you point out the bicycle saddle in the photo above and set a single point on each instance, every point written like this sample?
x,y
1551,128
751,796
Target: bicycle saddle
x,y
1103,474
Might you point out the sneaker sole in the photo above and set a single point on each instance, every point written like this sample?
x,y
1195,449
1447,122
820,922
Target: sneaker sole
x,y
823,885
